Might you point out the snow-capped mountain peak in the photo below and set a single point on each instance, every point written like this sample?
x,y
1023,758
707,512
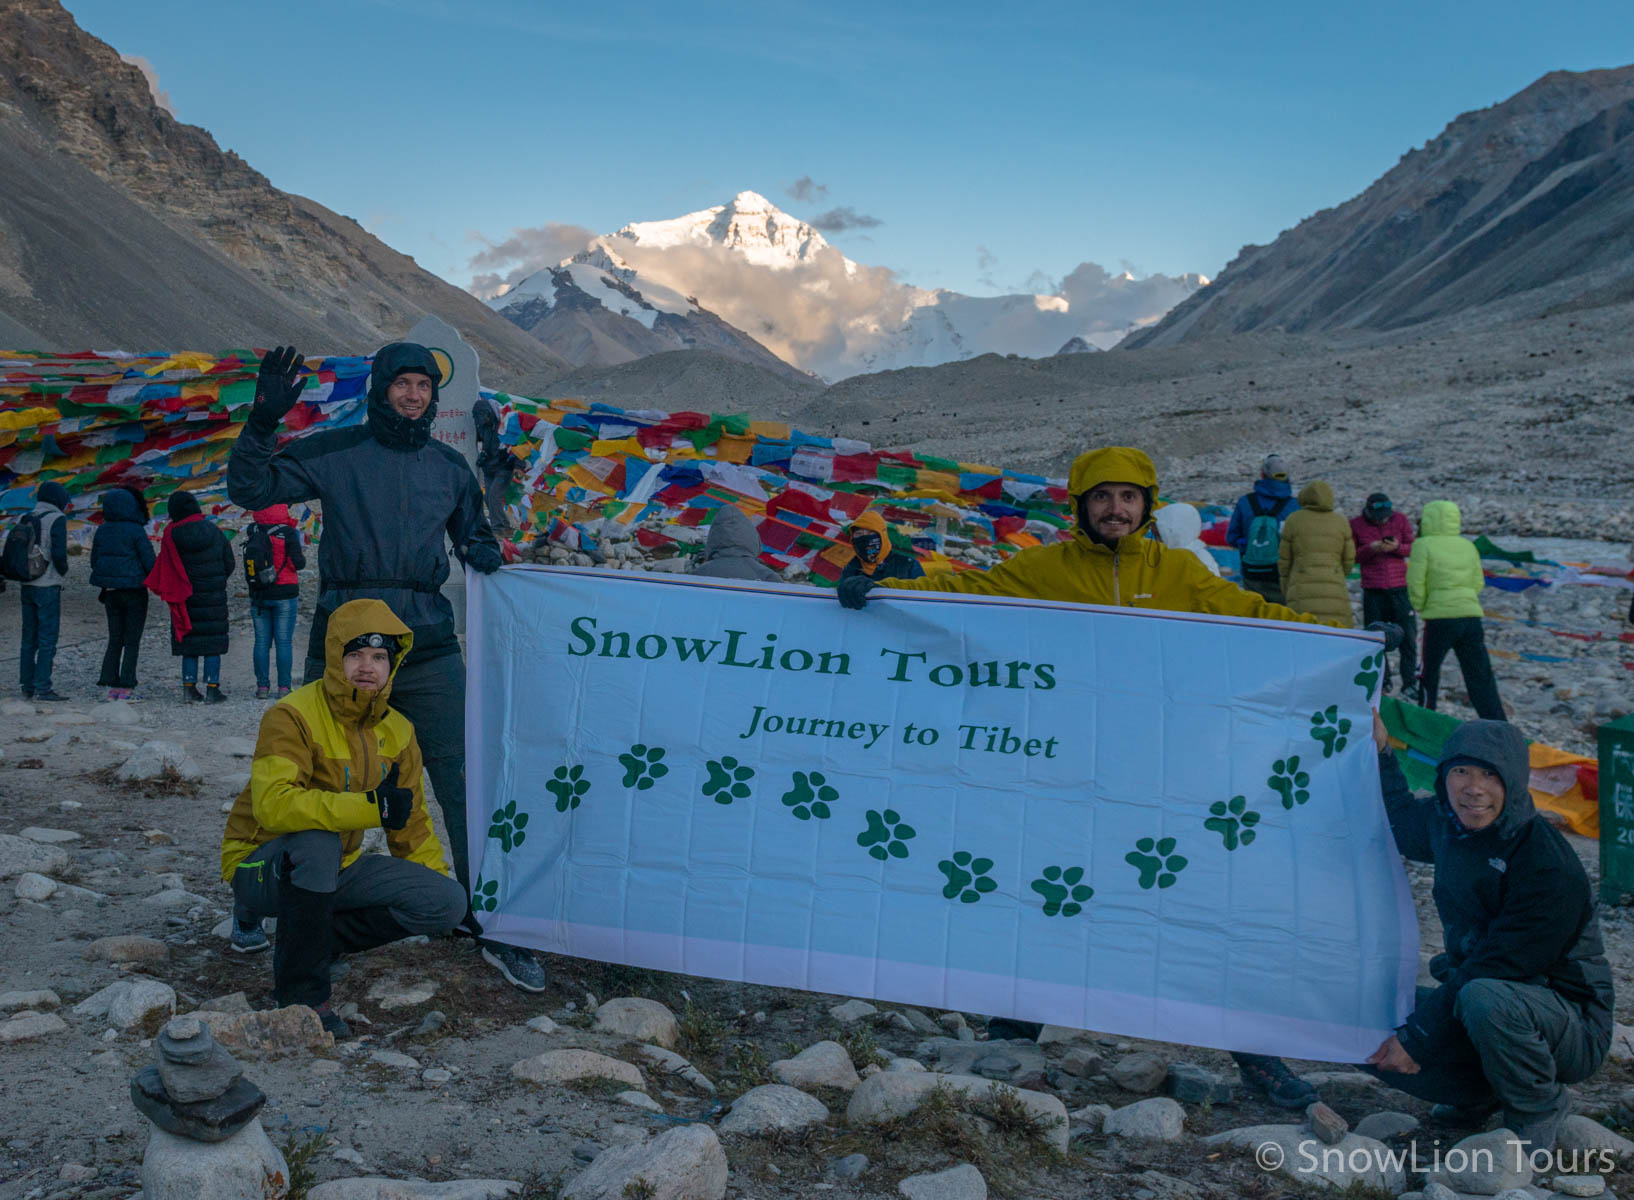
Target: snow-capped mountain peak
x,y
749,225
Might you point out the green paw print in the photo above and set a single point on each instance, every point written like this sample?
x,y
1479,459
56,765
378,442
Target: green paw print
x,y
728,780
811,795
643,766
568,785
1156,861
885,835
1368,676
1234,821
1289,782
507,826
967,877
485,895
1063,893
1329,728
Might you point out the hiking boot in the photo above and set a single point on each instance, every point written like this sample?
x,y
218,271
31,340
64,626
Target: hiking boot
x,y
1460,1116
191,694
519,967
282,692
213,694
331,1022
28,693
49,695
1413,693
1271,1078
249,939
262,691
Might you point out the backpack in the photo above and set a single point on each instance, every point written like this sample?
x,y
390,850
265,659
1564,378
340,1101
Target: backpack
x,y
1264,541
24,557
260,569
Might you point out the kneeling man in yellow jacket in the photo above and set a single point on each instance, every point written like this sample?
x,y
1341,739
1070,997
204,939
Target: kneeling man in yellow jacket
x,y
333,760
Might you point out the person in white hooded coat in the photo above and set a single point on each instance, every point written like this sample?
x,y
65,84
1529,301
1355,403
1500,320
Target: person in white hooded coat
x,y
1181,527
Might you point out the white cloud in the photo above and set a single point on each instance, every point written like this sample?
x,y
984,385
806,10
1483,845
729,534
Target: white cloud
x,y
505,263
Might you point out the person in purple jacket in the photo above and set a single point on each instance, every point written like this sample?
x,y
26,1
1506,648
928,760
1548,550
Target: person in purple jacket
x,y
1384,538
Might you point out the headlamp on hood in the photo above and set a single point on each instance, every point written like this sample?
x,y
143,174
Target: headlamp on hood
x,y
372,641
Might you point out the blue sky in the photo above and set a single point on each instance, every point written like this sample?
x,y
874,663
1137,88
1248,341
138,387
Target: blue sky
x,y
996,145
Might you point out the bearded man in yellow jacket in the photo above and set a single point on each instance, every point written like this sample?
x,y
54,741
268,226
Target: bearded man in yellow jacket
x,y
332,761
1111,561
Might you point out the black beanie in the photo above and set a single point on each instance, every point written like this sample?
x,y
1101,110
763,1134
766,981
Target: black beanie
x,y
53,493
182,505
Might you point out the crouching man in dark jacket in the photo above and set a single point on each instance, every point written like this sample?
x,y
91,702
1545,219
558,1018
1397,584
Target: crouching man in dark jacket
x,y
1524,1004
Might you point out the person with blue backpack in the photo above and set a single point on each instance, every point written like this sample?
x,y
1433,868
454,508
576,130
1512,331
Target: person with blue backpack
x,y
36,556
1255,531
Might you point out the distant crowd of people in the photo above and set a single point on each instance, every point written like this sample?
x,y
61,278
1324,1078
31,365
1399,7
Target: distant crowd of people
x,y
1523,1000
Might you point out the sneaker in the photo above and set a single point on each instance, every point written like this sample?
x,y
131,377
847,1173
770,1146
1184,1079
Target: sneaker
x,y
331,1022
249,940
262,691
134,696
213,694
50,694
282,692
1413,693
519,967
191,694
1271,1078
1471,1116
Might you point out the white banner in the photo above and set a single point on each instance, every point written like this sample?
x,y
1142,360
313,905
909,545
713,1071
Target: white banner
x,y
1152,824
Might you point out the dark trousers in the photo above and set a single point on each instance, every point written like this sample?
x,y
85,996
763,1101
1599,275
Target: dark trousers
x,y
127,613
42,619
1392,605
1465,637
1268,586
323,909
430,692
1516,1043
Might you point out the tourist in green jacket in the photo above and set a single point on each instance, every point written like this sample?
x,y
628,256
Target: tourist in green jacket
x,y
1444,582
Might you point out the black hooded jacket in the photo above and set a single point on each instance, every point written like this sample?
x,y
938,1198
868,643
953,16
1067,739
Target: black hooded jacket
x,y
1514,900
121,555
390,495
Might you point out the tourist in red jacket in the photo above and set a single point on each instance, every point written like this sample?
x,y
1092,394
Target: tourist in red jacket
x,y
1384,539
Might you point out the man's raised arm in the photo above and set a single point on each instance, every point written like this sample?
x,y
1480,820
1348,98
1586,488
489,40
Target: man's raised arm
x,y
257,475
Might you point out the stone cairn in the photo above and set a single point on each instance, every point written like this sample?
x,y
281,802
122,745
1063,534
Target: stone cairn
x,y
205,1131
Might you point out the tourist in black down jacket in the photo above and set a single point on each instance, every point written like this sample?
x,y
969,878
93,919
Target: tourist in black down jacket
x,y
121,557
194,564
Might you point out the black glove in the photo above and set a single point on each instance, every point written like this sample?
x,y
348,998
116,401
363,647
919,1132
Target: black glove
x,y
393,802
277,388
483,558
1393,634
854,591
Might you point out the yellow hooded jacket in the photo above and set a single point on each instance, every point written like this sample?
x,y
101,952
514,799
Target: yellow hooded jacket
x,y
1136,573
322,747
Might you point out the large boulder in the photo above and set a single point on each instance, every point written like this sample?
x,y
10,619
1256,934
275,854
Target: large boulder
x,y
825,1064
247,1166
962,1182
269,1032
641,1019
562,1066
774,1108
21,856
136,1003
892,1094
1484,1164
686,1163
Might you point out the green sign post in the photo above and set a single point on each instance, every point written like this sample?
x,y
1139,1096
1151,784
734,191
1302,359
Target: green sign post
x,y
1617,809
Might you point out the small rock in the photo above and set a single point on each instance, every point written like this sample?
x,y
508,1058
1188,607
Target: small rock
x,y
214,1120
271,1032
20,856
75,1173
18,708
1578,1185
585,1151
437,1075
542,1024
560,1066
1326,1124
191,1066
38,888
130,1003
673,1064
347,1155
895,1020
26,1026
41,998
890,1094
903,1064
774,1108
246,1166
1017,1062
639,1100
849,1167
1193,1084
175,898
1492,1162
1139,1072
1052,1034
48,837
1082,1062
825,1064
126,948
151,759
686,1163
236,747
1383,1125
430,1023
1158,1119
394,1059
1580,1133
1091,1116
921,1022
952,1022
391,993
852,1011
234,1003
962,1182
638,1018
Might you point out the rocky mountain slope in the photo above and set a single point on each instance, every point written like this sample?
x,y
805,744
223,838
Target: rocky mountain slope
x,y
120,226
764,281
1516,209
